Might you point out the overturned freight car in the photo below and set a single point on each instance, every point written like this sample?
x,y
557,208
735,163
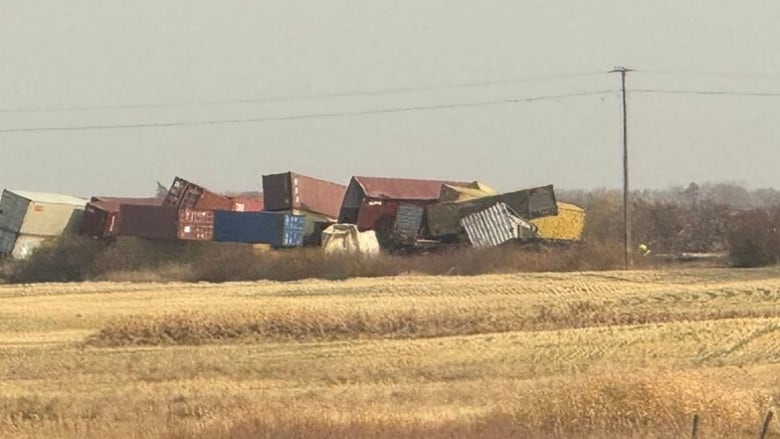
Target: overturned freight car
x,y
443,219
372,203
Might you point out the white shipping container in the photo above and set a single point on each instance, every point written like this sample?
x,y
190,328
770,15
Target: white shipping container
x,y
41,214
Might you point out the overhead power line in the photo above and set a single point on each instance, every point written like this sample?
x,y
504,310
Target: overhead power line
x,y
705,92
745,76
303,116
301,98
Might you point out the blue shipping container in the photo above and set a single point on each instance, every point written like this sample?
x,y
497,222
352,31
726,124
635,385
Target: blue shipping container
x,y
274,228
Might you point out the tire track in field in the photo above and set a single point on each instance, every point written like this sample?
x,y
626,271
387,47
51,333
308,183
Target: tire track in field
x,y
740,344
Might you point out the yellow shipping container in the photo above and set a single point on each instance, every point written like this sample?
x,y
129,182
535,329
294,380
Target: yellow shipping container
x,y
568,225
470,191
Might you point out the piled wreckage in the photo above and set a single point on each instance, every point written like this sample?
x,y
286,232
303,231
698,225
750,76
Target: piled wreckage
x,y
293,210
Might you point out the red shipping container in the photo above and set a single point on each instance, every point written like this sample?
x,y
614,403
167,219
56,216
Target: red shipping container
x,y
184,194
291,191
247,204
196,225
152,222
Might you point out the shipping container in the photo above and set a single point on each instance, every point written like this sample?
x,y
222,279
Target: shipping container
x,y
42,214
247,204
408,223
372,202
7,241
494,226
276,229
312,230
151,222
101,216
291,191
26,244
184,194
196,225
443,219
463,193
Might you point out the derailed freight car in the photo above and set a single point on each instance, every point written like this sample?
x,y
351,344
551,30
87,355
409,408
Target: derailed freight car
x,y
443,219
101,216
372,203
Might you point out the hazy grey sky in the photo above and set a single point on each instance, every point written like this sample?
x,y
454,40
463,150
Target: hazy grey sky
x,y
55,53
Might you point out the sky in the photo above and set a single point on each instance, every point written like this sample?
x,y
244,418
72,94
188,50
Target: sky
x,y
97,63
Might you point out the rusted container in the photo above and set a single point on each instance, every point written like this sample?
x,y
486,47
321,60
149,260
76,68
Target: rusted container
x,y
196,225
184,194
101,215
443,219
151,222
372,202
291,191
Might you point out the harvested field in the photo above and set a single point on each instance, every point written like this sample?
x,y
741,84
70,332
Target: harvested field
x,y
629,354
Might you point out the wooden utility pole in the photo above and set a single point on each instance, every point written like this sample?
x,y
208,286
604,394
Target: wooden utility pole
x,y
626,207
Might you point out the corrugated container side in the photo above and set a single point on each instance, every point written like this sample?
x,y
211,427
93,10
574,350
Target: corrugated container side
x,y
245,204
294,230
377,215
187,195
276,229
277,191
290,191
176,192
44,219
7,241
408,222
13,209
196,225
490,227
312,234
152,222
318,196
210,201
26,244
101,217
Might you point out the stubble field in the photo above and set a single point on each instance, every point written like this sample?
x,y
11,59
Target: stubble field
x,y
607,354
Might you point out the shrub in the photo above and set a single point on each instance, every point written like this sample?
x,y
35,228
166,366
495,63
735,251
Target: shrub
x,y
753,239
64,259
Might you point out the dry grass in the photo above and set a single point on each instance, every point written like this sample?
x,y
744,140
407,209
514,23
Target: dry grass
x,y
600,354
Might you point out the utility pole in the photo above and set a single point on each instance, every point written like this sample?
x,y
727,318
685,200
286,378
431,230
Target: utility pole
x,y
626,208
